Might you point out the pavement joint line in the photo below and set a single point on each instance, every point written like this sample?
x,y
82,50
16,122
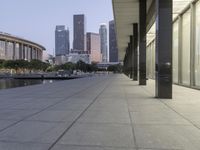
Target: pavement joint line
x,y
132,123
182,116
160,148
108,123
23,142
64,99
83,112
98,146
44,121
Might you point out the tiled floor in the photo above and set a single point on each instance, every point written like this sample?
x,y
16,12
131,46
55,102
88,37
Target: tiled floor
x,y
106,112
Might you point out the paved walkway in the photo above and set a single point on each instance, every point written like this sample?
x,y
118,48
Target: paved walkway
x,y
108,112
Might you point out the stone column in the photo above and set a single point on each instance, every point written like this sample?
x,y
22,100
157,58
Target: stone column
x,y
135,51
164,48
14,50
6,50
131,56
142,42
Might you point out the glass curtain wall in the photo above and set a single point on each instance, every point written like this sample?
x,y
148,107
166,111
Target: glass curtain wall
x,y
148,61
181,53
175,52
185,53
151,60
153,47
197,46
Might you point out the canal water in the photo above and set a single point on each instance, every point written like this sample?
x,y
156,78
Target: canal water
x,y
12,83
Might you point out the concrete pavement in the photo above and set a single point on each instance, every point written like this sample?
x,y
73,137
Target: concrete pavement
x,y
106,112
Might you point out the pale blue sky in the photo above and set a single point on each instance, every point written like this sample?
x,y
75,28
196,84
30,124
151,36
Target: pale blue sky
x,y
36,19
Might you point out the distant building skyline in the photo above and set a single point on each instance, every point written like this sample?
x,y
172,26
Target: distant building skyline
x,y
39,26
62,41
113,50
79,32
103,38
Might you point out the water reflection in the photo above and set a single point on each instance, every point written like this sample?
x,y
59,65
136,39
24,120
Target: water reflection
x,y
11,83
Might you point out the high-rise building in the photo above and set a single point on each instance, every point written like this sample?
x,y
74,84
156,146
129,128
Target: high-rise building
x,y
103,37
113,50
93,47
79,31
62,44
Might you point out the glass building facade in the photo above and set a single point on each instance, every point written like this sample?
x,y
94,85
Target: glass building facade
x,y
186,48
103,36
62,46
113,49
79,32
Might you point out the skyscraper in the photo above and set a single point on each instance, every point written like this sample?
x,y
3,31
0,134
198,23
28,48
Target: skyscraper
x,y
113,50
62,44
103,37
79,31
93,47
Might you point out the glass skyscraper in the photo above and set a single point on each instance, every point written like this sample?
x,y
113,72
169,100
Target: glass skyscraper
x,y
113,50
103,37
79,31
62,44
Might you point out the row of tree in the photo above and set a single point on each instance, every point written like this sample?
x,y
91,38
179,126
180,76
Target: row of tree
x,y
80,65
115,68
23,64
36,65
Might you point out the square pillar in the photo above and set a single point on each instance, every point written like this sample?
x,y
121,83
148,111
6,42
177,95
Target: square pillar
x,y
14,50
6,49
142,42
21,50
164,48
129,62
126,62
131,56
135,51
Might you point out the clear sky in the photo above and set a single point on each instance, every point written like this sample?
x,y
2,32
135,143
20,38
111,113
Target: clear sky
x,y
35,20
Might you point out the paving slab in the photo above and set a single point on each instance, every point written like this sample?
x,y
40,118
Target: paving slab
x,y
167,137
162,117
33,131
5,123
56,116
23,146
15,114
112,116
107,112
99,135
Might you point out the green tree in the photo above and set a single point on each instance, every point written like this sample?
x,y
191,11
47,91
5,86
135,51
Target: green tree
x,y
8,64
21,64
80,65
38,65
115,68
1,63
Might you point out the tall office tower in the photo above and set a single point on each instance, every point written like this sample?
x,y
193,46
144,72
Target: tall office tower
x,y
103,36
79,31
113,50
62,44
93,47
